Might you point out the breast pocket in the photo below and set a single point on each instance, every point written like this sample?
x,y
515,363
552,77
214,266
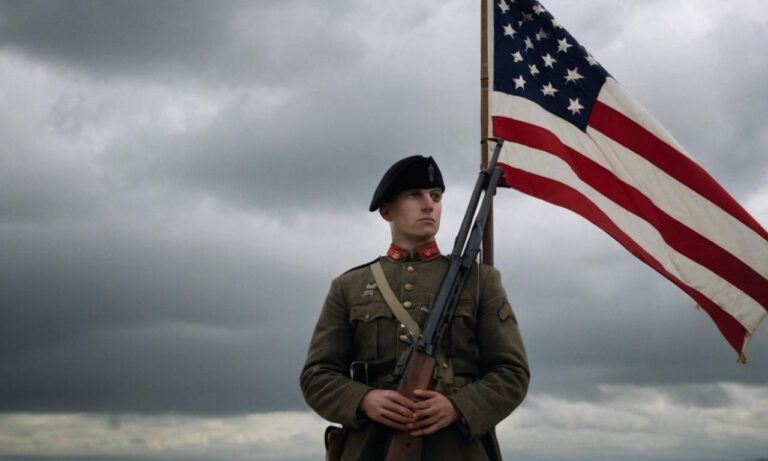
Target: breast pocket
x,y
463,341
373,329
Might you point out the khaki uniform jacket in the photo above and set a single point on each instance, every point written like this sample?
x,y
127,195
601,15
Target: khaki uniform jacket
x,y
483,346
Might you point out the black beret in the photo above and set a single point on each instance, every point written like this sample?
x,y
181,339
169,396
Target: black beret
x,y
414,172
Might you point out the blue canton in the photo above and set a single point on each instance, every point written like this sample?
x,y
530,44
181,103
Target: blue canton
x,y
536,58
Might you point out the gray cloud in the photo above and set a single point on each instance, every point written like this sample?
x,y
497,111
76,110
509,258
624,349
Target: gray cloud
x,y
161,160
234,43
138,323
264,144
696,73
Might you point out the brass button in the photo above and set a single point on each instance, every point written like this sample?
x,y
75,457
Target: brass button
x,y
408,304
367,316
445,365
402,325
408,286
410,269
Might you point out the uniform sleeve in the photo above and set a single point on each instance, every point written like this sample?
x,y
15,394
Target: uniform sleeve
x,y
324,379
504,367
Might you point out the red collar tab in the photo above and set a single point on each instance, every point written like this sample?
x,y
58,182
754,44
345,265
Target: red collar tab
x,y
429,251
426,252
396,254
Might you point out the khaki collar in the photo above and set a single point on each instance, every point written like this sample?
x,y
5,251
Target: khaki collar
x,y
426,252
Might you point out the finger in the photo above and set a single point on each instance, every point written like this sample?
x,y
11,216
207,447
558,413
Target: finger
x,y
399,409
423,423
401,400
431,425
425,413
428,430
397,417
424,394
424,404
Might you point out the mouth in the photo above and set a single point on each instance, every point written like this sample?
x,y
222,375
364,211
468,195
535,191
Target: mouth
x,y
429,220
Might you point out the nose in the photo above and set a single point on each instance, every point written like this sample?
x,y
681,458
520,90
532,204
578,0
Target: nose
x,y
427,201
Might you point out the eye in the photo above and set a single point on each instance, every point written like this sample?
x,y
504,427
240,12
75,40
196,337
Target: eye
x,y
436,196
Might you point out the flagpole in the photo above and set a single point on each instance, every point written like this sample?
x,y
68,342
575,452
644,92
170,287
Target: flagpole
x,y
487,251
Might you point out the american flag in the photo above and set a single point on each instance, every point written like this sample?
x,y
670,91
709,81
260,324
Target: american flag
x,y
577,139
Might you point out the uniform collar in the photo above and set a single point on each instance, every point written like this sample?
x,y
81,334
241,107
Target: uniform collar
x,y
425,252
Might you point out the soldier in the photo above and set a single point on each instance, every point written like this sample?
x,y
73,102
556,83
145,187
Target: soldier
x,y
481,371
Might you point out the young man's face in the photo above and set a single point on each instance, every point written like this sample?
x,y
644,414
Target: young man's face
x,y
414,216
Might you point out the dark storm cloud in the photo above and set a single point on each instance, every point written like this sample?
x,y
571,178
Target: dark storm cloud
x,y
103,312
298,155
696,73
277,140
738,150
229,42
136,323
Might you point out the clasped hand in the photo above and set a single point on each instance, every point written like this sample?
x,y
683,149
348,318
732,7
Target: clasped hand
x,y
423,417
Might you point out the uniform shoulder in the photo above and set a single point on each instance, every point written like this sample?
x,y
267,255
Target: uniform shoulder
x,y
487,269
350,273
353,285
490,277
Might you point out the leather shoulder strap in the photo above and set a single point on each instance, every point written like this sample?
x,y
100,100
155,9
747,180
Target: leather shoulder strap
x,y
394,305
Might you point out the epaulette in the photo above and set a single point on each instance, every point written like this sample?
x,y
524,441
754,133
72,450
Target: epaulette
x,y
361,266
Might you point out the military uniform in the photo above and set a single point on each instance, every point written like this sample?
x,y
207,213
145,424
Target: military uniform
x,y
484,374
481,365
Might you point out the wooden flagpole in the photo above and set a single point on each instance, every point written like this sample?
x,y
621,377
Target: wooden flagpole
x,y
484,148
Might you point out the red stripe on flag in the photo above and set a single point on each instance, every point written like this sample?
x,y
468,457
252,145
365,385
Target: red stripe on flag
x,y
677,235
565,196
634,137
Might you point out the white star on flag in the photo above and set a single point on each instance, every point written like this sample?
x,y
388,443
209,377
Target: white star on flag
x,y
549,60
528,43
504,6
517,57
575,107
563,45
577,139
508,30
548,89
573,75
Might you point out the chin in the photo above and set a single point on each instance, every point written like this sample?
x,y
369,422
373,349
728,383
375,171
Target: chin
x,y
426,235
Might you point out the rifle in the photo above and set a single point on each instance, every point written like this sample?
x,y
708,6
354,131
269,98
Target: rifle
x,y
415,367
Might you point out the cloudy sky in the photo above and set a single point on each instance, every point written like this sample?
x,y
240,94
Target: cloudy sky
x,y
180,181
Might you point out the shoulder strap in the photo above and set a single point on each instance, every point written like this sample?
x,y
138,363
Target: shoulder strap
x,y
361,266
394,305
444,372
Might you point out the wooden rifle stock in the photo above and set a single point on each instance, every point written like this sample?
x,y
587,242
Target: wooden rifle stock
x,y
418,375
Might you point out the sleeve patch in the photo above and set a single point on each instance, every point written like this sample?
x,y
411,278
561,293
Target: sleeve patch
x,y
505,312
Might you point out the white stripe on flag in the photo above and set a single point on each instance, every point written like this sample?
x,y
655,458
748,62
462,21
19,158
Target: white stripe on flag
x,y
685,205
668,194
614,95
732,300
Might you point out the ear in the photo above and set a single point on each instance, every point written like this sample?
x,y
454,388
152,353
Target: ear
x,y
385,212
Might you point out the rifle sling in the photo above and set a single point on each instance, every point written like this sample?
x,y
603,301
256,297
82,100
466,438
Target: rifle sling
x,y
443,372
394,305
